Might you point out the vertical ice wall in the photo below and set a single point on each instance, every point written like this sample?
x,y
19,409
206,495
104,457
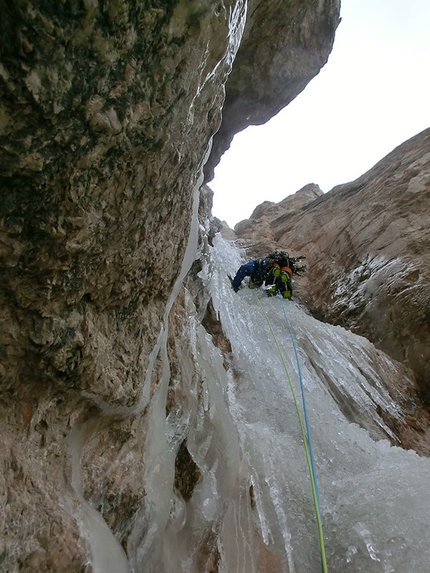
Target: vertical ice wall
x,y
375,499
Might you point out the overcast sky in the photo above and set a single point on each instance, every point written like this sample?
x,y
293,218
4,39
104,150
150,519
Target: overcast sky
x,y
371,96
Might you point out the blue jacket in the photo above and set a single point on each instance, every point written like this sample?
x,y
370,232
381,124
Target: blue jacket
x,y
255,269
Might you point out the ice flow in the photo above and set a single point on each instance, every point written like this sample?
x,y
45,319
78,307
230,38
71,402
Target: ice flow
x,y
375,499
251,509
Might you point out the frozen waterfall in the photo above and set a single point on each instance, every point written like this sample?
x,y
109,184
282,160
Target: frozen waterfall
x,y
375,499
254,498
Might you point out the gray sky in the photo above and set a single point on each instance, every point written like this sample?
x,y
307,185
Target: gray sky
x,y
371,96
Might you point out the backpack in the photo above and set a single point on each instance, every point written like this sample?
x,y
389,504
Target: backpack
x,y
283,259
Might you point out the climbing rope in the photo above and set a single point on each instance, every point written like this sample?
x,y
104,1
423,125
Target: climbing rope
x,y
302,389
305,433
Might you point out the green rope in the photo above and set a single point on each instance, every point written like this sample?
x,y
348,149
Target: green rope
x,y
305,442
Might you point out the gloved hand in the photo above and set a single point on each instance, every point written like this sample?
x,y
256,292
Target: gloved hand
x,y
231,282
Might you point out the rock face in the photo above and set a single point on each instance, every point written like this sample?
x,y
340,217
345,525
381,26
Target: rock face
x,y
268,75
106,116
257,232
367,246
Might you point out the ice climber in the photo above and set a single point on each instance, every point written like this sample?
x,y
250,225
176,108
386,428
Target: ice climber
x,y
274,271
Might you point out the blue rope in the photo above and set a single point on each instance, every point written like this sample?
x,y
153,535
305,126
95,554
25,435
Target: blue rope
x,y
308,433
305,433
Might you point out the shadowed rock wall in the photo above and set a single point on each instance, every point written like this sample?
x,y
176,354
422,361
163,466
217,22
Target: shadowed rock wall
x,y
106,114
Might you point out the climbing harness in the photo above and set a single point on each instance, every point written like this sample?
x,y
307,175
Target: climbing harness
x,y
305,432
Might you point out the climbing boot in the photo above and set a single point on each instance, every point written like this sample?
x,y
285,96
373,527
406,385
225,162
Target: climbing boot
x,y
287,294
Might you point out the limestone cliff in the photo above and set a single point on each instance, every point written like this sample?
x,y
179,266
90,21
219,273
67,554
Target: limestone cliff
x,y
106,116
367,248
